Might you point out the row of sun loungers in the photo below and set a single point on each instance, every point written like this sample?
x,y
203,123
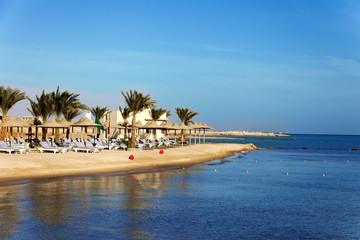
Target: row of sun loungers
x,y
46,147
5,147
78,145
158,143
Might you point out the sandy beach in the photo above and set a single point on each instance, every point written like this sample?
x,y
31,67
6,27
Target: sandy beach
x,y
44,165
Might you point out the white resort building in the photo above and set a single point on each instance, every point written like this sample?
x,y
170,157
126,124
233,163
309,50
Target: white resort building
x,y
142,117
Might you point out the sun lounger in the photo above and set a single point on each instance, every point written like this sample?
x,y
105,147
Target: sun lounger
x,y
116,144
45,147
80,147
6,148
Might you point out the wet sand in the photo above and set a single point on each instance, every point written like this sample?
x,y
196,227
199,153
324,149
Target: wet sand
x,y
15,167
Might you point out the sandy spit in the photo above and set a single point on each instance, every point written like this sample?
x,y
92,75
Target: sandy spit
x,y
44,165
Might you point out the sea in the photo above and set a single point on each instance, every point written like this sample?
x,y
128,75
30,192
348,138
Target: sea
x,y
298,187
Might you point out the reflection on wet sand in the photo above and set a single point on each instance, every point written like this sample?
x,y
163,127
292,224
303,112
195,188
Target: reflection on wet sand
x,y
55,206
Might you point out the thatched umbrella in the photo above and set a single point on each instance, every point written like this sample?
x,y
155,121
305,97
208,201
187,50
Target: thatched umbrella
x,y
65,122
54,124
204,127
183,128
124,124
166,126
191,127
138,126
66,125
196,126
12,122
109,124
153,125
85,123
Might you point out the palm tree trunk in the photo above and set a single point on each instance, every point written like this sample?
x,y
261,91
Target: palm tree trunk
x,y
125,134
154,140
132,145
44,131
2,133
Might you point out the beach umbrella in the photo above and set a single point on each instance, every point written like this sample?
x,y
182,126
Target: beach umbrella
x,y
125,124
205,126
199,126
65,123
196,126
138,126
53,124
33,123
191,126
183,128
85,123
176,127
11,122
109,124
21,124
152,125
167,126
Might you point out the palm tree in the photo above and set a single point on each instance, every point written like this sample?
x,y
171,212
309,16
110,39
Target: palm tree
x,y
99,113
42,108
64,102
168,113
185,116
136,102
155,115
125,113
71,113
8,98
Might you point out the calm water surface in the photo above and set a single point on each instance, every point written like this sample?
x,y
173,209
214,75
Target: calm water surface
x,y
285,193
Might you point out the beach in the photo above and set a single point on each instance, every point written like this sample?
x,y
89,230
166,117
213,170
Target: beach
x,y
15,167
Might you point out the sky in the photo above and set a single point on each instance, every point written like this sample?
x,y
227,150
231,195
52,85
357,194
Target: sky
x,y
256,65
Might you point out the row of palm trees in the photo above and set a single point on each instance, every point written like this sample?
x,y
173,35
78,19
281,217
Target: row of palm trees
x,y
68,105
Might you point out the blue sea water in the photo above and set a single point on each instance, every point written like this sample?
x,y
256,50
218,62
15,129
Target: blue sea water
x,y
303,189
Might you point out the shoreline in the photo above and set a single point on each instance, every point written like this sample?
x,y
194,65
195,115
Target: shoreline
x,y
17,167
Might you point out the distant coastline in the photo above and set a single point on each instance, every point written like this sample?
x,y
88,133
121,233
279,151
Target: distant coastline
x,y
245,133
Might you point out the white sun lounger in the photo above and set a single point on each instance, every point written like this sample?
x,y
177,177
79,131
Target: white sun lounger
x,y
80,147
45,147
5,148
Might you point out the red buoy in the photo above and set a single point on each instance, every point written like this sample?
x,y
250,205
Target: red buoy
x,y
131,157
161,151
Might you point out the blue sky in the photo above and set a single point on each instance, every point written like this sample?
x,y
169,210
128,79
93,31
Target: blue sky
x,y
290,66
